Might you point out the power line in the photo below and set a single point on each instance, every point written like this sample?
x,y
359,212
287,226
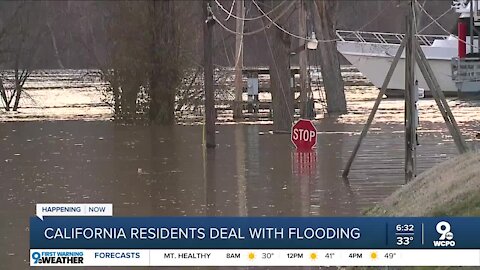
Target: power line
x,y
255,31
276,25
230,13
231,10
436,20
324,40
443,28
273,21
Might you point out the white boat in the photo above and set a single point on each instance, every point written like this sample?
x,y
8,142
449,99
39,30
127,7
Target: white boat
x,y
372,54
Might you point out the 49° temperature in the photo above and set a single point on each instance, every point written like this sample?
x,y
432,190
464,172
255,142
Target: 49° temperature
x,y
404,240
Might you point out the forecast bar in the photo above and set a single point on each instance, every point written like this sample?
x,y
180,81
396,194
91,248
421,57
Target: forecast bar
x,y
254,257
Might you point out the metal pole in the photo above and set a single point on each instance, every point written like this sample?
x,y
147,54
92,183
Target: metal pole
x,y
383,89
238,104
209,130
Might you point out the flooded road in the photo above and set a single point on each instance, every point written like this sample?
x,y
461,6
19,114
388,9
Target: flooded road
x,y
146,171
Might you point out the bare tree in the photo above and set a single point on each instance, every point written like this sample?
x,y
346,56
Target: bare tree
x,y
278,51
325,24
165,69
144,58
20,44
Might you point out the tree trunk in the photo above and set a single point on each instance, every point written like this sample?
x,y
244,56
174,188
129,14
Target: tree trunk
x,y
163,111
164,74
278,50
329,62
18,93
18,90
4,96
116,94
129,99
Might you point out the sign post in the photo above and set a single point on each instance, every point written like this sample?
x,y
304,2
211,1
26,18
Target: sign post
x,y
304,135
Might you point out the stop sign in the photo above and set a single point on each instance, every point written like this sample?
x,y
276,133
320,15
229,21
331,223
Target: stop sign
x,y
304,135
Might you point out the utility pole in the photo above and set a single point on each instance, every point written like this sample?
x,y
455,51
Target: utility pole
x,y
410,96
209,128
413,49
302,57
238,104
376,105
472,25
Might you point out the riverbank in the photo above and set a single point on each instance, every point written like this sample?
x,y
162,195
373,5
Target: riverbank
x,y
451,188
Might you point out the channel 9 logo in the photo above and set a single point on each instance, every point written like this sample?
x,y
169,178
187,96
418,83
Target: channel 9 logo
x,y
444,229
36,257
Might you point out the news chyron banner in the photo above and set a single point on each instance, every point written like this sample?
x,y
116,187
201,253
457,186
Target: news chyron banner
x,y
89,235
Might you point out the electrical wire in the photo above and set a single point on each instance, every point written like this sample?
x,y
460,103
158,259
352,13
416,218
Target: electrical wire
x,y
226,52
230,13
231,10
273,21
443,28
276,24
436,20
324,40
251,32
374,18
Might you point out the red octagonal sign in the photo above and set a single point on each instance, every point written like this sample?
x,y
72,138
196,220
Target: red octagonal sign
x,y
304,135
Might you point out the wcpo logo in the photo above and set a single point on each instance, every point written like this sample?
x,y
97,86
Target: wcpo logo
x,y
446,235
58,258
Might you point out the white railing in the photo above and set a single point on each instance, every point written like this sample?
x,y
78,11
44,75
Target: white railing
x,y
384,38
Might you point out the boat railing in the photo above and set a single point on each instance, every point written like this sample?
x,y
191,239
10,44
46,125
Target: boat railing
x,y
384,38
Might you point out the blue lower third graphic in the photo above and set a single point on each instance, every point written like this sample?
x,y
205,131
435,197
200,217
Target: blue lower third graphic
x,y
249,232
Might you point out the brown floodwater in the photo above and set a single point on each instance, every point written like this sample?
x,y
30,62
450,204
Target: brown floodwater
x,y
166,171
147,171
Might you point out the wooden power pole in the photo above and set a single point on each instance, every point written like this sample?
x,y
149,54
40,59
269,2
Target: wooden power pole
x,y
238,104
410,97
209,128
303,61
414,55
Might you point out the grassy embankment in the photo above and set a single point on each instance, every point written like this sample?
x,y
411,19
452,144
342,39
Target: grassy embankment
x,y
451,188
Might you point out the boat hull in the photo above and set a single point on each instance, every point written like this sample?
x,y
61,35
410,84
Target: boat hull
x,y
373,60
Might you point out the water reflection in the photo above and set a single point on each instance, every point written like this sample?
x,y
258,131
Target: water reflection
x,y
240,149
332,196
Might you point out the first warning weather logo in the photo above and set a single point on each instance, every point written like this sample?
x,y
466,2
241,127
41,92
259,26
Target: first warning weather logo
x,y
61,257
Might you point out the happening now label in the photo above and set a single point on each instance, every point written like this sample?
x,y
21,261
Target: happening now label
x,y
73,209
